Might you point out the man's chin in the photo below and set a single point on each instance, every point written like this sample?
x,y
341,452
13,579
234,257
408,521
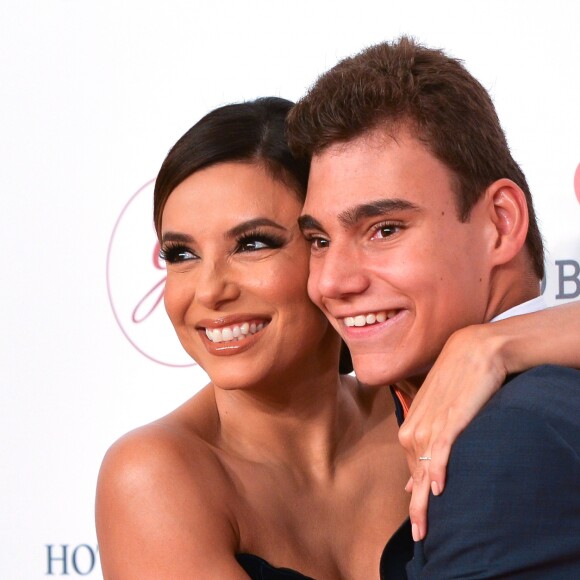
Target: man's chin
x,y
373,371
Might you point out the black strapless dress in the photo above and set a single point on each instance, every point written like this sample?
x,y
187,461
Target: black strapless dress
x,y
396,554
258,569
391,568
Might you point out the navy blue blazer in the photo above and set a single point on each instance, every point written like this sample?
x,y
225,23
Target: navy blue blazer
x,y
511,506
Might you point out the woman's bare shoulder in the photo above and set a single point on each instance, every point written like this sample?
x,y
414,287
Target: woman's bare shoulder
x,y
178,441
164,501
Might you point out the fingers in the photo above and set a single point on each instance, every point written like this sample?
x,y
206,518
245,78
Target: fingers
x,y
439,438
428,475
415,436
419,500
441,443
440,449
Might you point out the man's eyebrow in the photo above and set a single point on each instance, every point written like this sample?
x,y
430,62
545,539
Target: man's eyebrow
x,y
307,222
379,207
242,228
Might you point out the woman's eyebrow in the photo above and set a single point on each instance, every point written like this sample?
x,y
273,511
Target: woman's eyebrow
x,y
240,229
176,237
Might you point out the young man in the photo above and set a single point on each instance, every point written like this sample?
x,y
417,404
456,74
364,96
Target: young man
x,y
421,223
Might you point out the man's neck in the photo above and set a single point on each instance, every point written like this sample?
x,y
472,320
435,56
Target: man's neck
x,y
509,289
532,305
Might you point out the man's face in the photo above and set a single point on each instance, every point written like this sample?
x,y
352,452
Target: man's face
x,y
391,266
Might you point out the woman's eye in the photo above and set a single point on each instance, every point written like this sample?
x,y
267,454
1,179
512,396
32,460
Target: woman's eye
x,y
254,243
176,255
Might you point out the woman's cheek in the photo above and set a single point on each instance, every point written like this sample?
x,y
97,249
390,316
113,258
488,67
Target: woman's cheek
x,y
175,300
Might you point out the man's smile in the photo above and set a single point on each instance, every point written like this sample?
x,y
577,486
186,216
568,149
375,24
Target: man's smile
x,y
370,318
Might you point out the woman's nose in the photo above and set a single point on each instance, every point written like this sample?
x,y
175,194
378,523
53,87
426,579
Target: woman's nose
x,y
216,284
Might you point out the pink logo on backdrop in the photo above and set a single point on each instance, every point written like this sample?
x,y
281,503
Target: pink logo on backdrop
x,y
577,183
136,281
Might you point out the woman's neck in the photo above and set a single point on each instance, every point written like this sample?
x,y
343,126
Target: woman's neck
x,y
303,422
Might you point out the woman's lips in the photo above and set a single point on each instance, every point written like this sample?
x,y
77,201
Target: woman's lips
x,y
231,335
235,332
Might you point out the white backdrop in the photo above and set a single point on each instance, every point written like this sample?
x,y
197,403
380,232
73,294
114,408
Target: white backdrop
x,y
93,94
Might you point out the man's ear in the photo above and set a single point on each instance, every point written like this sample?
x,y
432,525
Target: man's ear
x,y
508,211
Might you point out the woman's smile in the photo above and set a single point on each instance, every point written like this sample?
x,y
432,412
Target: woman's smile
x,y
231,335
234,333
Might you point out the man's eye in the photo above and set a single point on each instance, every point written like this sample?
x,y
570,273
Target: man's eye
x,y
318,243
385,230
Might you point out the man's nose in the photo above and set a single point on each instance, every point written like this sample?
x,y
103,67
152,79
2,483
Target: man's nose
x,y
339,273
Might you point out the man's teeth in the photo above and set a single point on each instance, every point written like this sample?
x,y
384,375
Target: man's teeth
x,y
229,333
367,319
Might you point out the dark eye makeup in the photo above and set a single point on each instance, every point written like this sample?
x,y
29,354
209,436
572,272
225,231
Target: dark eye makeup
x,y
256,240
173,253
251,241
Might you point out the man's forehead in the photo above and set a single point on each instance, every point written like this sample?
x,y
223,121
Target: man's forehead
x,y
371,142
374,175
365,156
340,166
359,165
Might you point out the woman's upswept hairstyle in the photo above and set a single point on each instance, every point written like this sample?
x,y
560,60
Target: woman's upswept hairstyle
x,y
253,131
403,83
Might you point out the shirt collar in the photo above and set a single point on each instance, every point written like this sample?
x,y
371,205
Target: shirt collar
x,y
532,305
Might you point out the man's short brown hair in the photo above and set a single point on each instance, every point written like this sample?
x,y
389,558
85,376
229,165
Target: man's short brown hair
x,y
406,84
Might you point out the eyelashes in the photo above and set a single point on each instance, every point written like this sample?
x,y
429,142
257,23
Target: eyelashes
x,y
378,232
316,241
175,253
386,229
254,241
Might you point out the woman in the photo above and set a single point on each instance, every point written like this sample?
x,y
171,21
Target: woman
x,y
279,462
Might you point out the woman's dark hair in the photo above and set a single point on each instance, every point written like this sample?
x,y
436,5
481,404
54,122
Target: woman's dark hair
x,y
253,131
247,132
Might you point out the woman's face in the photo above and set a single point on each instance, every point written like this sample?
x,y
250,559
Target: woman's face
x,y
237,270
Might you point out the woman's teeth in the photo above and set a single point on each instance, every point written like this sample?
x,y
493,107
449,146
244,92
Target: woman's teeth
x,y
229,333
366,319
